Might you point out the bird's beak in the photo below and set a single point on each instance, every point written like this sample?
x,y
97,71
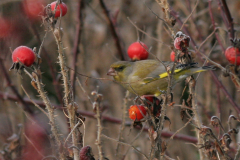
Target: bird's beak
x,y
111,72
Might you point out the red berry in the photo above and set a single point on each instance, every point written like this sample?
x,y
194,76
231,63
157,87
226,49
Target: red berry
x,y
177,43
86,153
138,51
182,42
135,113
231,54
153,104
23,54
172,56
151,99
58,10
33,8
5,27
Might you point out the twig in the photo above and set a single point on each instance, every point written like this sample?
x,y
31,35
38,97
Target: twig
x,y
77,41
220,85
104,117
166,9
71,132
169,27
195,111
33,145
68,99
120,138
84,91
14,90
49,62
214,25
229,18
50,110
40,108
26,114
139,133
126,145
113,31
237,155
168,158
99,126
84,129
146,33
181,128
190,15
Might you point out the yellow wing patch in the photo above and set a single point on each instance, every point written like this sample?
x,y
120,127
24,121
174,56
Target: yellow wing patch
x,y
165,74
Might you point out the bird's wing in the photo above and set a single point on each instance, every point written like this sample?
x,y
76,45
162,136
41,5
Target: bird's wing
x,y
142,69
160,72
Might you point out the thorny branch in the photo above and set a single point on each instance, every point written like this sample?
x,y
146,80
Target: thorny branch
x,y
104,118
40,88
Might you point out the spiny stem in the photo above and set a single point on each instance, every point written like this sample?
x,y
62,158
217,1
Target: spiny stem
x,y
68,101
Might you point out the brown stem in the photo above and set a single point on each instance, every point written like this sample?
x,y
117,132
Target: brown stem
x,y
113,31
196,112
68,99
57,140
77,41
222,13
230,99
214,26
52,70
229,18
99,132
14,90
121,131
103,117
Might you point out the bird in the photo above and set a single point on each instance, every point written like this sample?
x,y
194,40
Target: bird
x,y
150,77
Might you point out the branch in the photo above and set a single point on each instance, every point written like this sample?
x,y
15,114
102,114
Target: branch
x,y
104,117
14,90
214,26
68,99
230,99
113,31
77,41
229,18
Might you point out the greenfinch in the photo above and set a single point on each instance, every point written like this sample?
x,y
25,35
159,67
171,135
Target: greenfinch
x,y
149,77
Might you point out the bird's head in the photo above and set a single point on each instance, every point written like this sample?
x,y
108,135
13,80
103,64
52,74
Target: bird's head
x,y
120,70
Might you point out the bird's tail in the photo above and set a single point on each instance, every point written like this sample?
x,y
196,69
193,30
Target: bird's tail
x,y
208,67
202,69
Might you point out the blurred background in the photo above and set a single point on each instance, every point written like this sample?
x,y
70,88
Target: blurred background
x,y
96,51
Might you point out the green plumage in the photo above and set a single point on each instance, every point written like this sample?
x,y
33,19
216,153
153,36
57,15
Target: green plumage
x,y
149,77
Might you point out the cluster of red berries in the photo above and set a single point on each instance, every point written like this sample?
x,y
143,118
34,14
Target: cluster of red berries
x,y
232,53
151,103
22,55
137,51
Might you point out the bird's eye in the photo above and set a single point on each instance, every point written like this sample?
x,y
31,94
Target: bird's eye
x,y
120,68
